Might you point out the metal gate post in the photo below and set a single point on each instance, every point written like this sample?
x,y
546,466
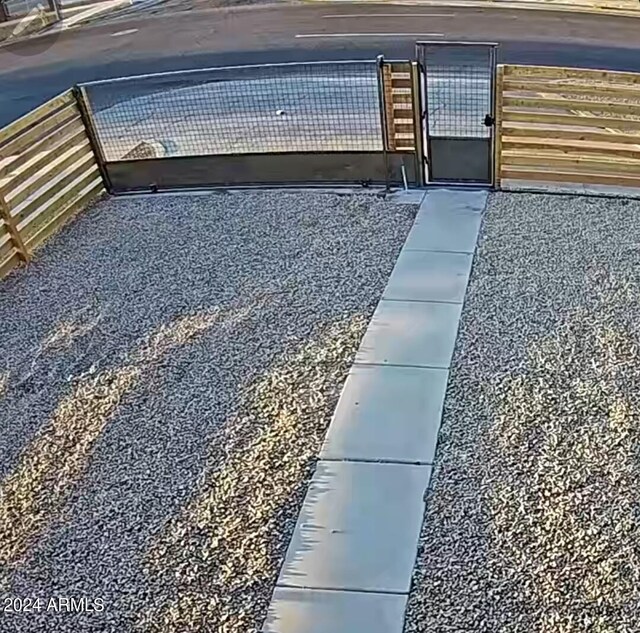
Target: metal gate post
x,y
417,122
383,118
87,119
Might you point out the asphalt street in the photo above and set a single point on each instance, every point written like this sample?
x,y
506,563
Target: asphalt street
x,y
37,69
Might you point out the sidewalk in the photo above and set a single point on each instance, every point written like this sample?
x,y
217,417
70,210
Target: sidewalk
x,y
25,26
72,16
350,560
75,15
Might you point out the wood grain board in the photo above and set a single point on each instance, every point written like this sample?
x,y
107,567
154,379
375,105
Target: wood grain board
x,y
48,172
399,99
568,125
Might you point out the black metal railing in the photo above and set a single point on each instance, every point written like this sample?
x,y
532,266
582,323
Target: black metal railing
x,y
310,107
316,122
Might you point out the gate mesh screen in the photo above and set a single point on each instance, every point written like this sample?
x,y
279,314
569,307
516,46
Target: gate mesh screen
x,y
309,107
459,89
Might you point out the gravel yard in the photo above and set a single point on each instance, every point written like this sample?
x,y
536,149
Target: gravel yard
x,y
168,368
532,518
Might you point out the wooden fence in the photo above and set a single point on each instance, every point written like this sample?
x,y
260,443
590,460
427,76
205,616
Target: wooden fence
x,y
402,116
566,125
400,87
48,172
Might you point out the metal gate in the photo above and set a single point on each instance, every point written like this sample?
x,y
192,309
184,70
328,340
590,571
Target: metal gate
x,y
458,92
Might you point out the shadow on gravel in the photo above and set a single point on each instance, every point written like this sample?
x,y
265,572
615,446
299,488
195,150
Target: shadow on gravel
x,y
217,561
35,491
562,474
532,515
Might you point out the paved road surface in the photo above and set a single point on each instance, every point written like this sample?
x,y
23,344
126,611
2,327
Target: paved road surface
x,y
320,31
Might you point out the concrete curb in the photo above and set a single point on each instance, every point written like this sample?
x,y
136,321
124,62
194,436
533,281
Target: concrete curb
x,y
526,5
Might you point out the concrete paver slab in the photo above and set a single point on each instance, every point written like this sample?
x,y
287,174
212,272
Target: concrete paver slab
x,y
429,276
317,611
358,528
411,333
443,231
412,196
387,414
454,200
448,221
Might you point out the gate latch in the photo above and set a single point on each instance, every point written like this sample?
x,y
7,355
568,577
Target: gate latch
x,y
489,120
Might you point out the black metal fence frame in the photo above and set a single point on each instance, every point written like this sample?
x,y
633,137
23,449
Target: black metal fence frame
x,y
295,166
491,48
350,166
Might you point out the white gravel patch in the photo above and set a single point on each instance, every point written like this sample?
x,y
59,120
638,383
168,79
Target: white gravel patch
x,y
532,517
168,368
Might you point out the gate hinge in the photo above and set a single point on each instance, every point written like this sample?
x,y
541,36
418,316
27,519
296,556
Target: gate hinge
x,y
489,120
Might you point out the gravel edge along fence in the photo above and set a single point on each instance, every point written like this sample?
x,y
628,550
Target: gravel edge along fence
x,y
168,368
532,517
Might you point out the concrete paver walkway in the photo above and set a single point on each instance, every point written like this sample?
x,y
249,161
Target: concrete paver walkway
x,y
348,567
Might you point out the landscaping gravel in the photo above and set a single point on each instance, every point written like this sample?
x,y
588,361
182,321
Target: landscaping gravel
x,y
168,368
532,516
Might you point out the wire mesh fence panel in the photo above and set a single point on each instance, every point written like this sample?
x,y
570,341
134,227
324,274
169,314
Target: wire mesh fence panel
x,y
459,85
308,107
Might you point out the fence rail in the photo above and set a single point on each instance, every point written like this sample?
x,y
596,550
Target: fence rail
x,y
315,122
48,172
566,125
326,122
305,107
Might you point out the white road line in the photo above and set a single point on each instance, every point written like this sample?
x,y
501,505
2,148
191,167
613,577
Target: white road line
x,y
320,35
389,15
127,32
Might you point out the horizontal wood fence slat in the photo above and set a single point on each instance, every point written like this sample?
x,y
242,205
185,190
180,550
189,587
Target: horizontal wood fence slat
x,y
35,133
548,159
48,172
570,120
571,147
514,130
564,86
399,101
38,203
567,125
560,72
58,141
61,201
26,121
573,105
84,197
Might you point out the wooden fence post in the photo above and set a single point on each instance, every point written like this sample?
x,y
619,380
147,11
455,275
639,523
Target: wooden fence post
x,y
388,104
497,158
16,238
